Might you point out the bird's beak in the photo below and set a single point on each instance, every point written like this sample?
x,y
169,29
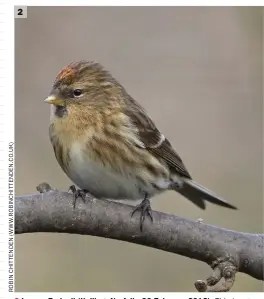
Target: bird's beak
x,y
54,100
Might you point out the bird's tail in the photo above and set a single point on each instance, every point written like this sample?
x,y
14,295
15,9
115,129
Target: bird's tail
x,y
198,194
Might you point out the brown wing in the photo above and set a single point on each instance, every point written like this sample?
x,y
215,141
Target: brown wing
x,y
153,140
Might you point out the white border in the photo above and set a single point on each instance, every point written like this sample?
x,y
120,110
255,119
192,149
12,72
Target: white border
x,y
138,295
6,133
135,3
7,113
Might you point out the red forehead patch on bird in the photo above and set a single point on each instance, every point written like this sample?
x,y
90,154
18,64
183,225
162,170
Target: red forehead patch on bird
x,y
67,72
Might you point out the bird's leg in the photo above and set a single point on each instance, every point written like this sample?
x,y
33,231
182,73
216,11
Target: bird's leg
x,y
145,209
77,193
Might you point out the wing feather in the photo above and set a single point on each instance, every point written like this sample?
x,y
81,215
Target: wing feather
x,y
153,140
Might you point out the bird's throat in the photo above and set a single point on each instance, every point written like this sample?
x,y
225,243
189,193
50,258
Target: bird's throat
x,y
61,111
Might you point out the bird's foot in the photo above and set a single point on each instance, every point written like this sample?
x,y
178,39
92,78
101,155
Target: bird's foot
x,y
145,209
77,193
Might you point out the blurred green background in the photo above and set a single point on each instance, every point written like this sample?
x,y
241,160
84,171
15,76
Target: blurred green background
x,y
198,72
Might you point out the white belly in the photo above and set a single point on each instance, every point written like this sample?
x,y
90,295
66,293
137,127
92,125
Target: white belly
x,y
100,181
104,183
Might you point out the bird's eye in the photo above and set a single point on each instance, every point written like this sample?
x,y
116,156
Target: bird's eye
x,y
77,92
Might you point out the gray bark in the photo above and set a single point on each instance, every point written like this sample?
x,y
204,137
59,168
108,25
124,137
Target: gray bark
x,y
226,251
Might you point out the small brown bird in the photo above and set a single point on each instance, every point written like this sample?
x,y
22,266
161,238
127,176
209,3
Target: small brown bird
x,y
108,146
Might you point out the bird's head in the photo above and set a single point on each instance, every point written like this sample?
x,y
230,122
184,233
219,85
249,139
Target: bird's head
x,y
81,83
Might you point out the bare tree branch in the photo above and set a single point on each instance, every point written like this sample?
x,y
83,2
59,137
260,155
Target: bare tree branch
x,y
226,251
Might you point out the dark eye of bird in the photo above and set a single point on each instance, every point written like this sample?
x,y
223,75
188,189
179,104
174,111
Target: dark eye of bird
x,y
77,92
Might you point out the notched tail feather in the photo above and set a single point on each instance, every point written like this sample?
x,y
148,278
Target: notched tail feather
x,y
198,194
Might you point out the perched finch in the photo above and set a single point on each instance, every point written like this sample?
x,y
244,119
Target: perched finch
x,y
108,146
